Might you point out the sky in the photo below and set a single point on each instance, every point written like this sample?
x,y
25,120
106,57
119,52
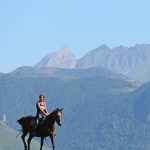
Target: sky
x,y
31,29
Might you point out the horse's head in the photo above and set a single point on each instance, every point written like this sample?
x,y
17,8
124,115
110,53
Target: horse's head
x,y
58,116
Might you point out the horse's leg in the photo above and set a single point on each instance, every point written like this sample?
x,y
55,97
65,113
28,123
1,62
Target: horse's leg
x,y
42,141
29,141
52,140
23,139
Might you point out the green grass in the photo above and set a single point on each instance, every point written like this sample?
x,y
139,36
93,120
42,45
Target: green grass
x,y
9,141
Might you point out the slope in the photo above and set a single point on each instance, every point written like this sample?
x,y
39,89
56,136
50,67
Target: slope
x,y
9,141
90,107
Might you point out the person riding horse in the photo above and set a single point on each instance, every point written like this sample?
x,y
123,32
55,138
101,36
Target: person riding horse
x,y
46,124
47,128
41,112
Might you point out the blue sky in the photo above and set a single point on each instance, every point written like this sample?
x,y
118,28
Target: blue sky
x,y
30,29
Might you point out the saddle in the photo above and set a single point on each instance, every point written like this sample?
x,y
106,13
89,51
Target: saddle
x,y
36,125
34,121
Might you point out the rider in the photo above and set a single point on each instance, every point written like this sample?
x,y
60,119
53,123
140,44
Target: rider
x,y
41,111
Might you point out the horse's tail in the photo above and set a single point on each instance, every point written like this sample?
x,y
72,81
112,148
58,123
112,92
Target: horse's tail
x,y
20,120
19,133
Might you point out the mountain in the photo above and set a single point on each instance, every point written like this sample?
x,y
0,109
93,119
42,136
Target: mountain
x,y
119,59
96,108
141,71
101,109
98,112
61,59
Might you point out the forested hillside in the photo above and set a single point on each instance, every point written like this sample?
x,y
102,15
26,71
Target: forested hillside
x,y
99,112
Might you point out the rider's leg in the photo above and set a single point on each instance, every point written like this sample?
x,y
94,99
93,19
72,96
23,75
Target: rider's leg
x,y
35,127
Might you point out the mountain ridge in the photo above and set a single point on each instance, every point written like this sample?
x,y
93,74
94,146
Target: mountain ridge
x,y
119,59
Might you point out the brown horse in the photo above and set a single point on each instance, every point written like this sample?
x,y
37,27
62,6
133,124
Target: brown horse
x,y
47,128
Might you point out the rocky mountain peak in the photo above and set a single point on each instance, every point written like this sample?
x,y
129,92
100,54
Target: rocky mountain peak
x,y
103,47
119,59
60,59
64,50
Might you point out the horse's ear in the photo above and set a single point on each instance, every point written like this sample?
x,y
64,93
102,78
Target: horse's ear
x,y
61,109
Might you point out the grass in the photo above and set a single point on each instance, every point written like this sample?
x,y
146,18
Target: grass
x,y
9,141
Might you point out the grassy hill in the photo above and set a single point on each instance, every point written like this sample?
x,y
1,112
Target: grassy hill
x,y
8,140
28,71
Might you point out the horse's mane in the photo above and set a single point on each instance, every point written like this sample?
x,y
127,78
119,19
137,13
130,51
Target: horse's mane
x,y
51,114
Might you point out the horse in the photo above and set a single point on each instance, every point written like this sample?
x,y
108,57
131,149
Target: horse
x,y
47,128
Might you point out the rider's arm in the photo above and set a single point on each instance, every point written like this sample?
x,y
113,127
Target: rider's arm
x,y
46,109
38,106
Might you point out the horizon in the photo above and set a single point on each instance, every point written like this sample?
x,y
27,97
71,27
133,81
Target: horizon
x,y
32,29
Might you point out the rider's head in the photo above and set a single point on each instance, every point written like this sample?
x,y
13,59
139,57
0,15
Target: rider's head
x,y
41,96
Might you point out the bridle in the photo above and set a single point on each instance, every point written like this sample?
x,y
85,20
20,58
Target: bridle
x,y
57,118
